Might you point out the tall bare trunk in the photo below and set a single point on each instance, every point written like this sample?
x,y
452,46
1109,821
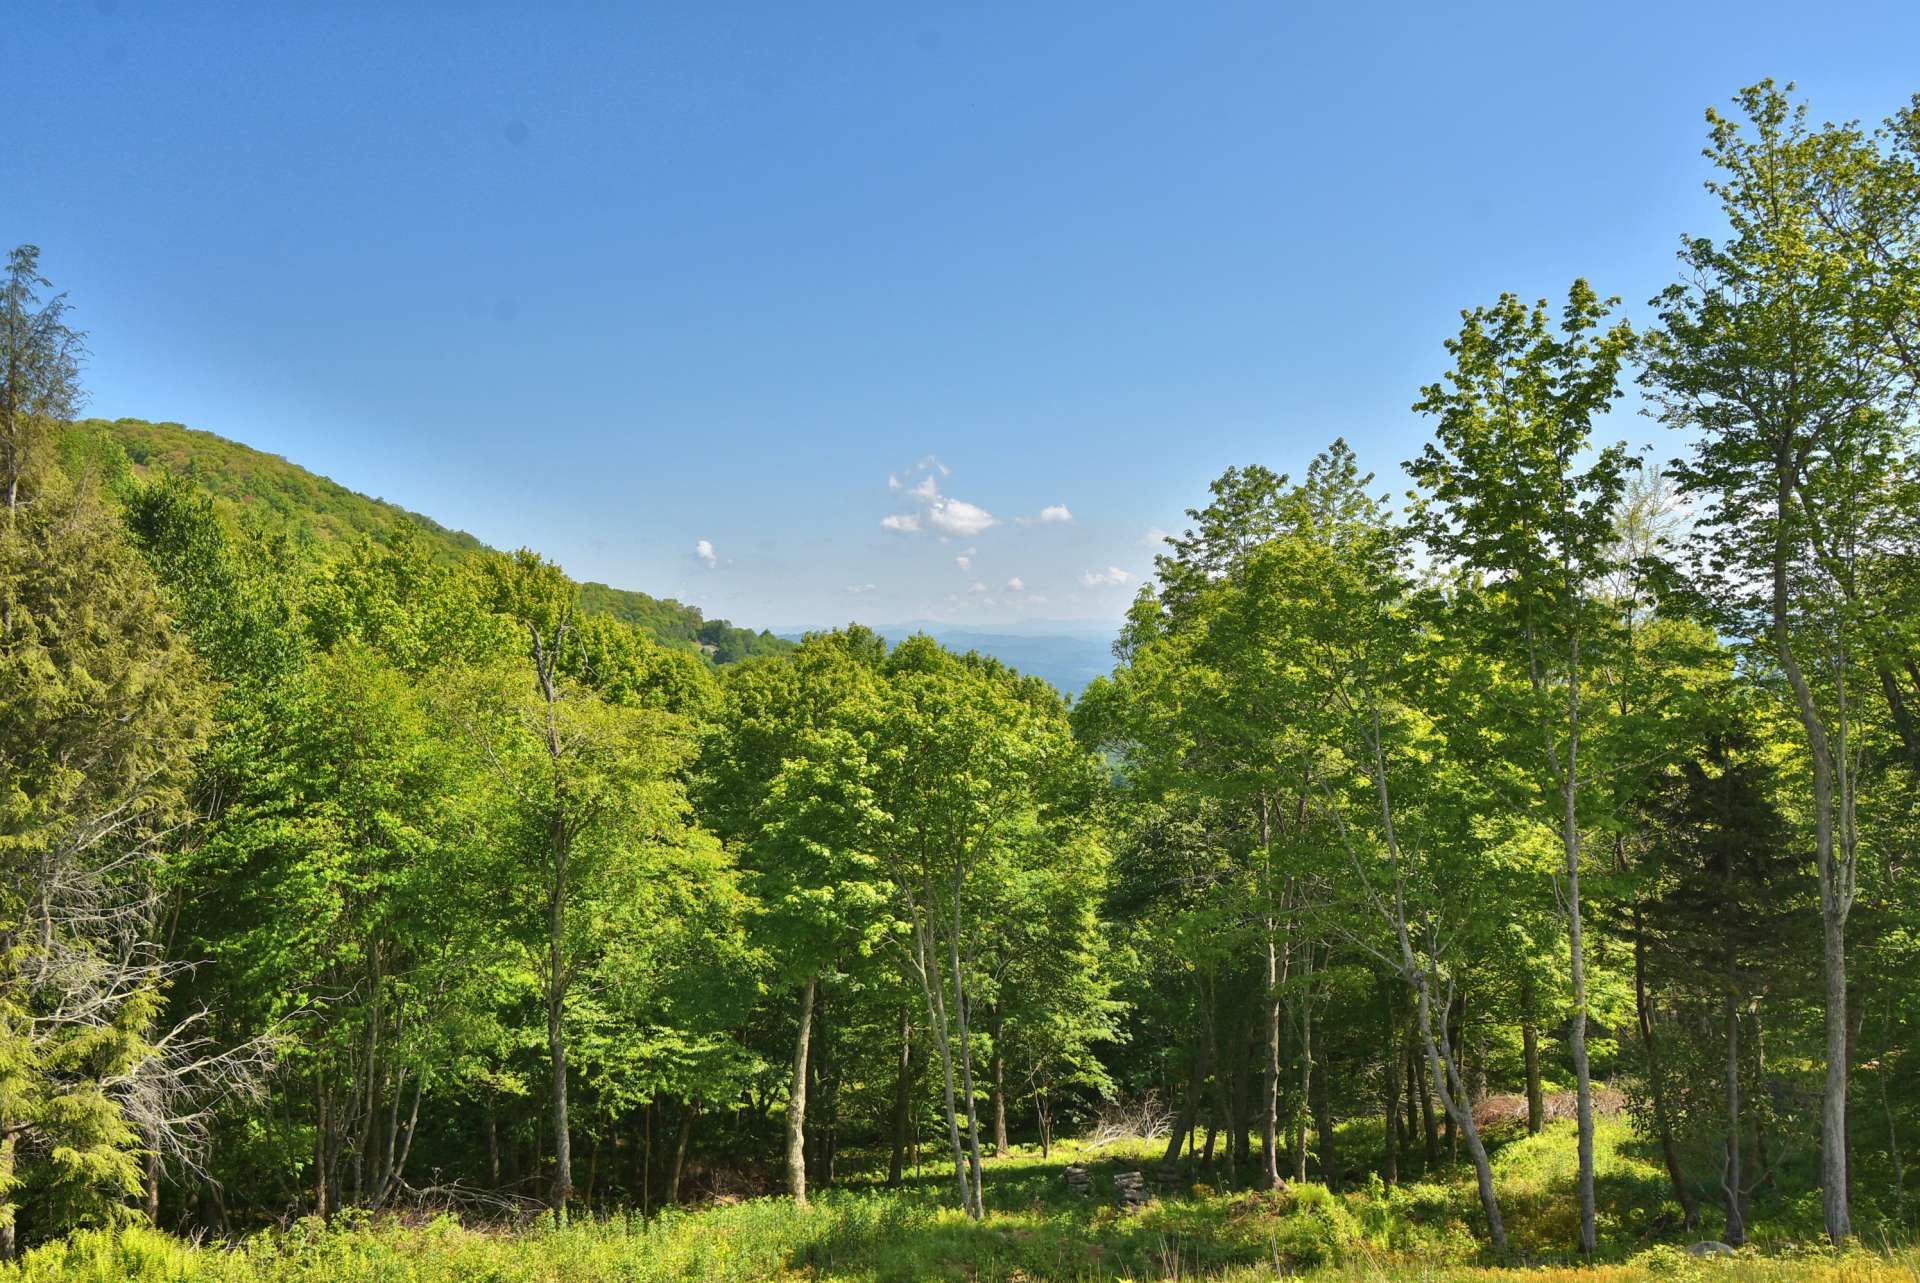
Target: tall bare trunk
x,y
960,1004
1298,1135
1530,1053
1736,1218
1577,1035
557,1036
1227,1115
999,1071
688,1116
153,1185
1189,1103
902,1099
1270,1129
1390,1084
322,1206
1836,876
933,986
1323,1126
493,1140
1447,1086
797,1099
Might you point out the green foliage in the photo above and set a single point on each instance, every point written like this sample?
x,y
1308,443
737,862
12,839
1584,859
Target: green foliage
x,y
312,512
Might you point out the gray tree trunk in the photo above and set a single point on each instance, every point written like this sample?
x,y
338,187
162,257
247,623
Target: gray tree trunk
x,y
1270,1129
902,1100
1736,1218
797,1099
557,1036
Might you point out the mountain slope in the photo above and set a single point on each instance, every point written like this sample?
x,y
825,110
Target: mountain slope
x,y
314,507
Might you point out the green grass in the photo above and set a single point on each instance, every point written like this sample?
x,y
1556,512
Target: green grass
x,y
1034,1230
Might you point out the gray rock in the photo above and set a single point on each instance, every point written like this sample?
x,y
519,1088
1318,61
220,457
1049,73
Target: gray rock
x,y
1711,1247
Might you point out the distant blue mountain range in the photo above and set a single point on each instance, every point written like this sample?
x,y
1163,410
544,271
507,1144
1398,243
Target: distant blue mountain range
x,y
1069,655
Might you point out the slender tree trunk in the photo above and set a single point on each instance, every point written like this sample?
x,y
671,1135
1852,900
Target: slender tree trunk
x,y
1577,1037
1530,1051
1324,1126
961,1003
933,985
153,1184
1762,1163
1298,1133
1836,892
556,1030
797,1099
1736,1220
688,1116
902,1099
1390,1085
1447,1086
322,1207
9,1242
1189,1104
493,1140
1430,1131
593,1173
1223,1100
1451,1026
999,1071
1270,1130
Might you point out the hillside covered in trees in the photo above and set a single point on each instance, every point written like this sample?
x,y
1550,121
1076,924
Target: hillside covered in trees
x,y
264,489
1521,873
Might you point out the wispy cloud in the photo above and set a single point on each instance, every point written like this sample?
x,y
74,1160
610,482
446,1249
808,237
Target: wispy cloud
x,y
944,515
703,549
1154,538
857,589
1111,577
1016,584
1054,514
958,518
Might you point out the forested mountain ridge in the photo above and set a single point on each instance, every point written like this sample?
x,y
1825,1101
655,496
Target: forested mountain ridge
x,y
308,506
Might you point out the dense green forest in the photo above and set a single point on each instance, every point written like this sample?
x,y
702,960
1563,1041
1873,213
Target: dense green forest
x,y
1506,863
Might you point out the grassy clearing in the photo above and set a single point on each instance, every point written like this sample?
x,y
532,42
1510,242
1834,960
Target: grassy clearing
x,y
1034,1230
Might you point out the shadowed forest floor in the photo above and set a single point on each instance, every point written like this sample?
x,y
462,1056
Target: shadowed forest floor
x,y
1035,1229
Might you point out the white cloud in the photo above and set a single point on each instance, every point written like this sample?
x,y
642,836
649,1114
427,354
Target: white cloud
x,y
703,549
944,515
1054,514
959,518
1154,537
857,589
927,464
976,586
1111,577
1015,584
964,561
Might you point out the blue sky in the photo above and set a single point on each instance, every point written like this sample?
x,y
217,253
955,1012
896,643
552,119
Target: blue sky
x,y
701,298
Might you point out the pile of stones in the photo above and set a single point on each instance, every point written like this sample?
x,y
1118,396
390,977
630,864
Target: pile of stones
x,y
1079,1180
1168,1180
1132,1189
